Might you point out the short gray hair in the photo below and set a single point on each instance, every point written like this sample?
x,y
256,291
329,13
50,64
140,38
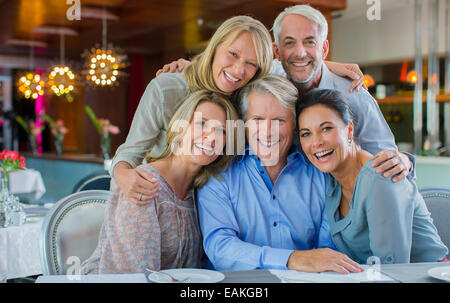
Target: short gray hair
x,y
279,87
303,10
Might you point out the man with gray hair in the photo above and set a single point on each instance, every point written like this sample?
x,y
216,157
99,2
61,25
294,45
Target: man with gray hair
x,y
301,44
266,211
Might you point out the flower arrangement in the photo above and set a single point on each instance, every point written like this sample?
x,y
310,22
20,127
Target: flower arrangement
x,y
32,130
9,162
58,131
56,127
104,129
107,127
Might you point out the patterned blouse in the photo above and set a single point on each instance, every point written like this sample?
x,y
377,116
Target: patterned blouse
x,y
160,235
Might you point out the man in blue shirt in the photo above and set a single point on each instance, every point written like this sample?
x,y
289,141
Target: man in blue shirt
x,y
267,209
301,44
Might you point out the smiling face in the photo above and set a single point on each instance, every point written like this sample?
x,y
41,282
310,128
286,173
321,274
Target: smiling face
x,y
204,139
324,137
270,128
300,49
235,63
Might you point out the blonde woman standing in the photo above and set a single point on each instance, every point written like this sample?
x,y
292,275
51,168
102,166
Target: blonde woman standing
x,y
239,52
165,233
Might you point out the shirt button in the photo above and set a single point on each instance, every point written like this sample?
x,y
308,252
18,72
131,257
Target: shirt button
x,y
262,172
274,224
274,197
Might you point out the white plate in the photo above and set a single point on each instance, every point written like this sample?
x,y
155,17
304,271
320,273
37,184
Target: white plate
x,y
441,273
194,275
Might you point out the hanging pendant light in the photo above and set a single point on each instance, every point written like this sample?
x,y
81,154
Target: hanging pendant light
x,y
104,64
30,84
61,78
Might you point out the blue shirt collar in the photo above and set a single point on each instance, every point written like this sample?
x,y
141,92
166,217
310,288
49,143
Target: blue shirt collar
x,y
326,81
294,153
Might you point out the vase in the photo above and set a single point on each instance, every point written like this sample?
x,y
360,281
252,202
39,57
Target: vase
x,y
33,144
4,200
11,211
105,144
59,144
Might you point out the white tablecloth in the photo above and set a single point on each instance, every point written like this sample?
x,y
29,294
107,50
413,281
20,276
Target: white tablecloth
x,y
19,250
27,181
120,278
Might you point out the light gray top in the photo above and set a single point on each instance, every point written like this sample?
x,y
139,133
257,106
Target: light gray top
x,y
148,130
388,220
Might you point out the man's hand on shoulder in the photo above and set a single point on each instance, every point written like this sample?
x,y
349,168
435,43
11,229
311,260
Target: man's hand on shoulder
x,y
392,163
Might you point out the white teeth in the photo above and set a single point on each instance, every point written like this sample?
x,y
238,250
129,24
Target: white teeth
x,y
323,153
268,144
300,64
208,149
230,77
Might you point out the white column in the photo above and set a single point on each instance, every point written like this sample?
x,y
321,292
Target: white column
x,y
433,76
418,67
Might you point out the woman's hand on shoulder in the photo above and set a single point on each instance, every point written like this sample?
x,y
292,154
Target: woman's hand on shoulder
x,y
174,66
138,186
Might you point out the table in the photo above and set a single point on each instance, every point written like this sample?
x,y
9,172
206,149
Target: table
x,y
20,251
27,184
412,273
406,273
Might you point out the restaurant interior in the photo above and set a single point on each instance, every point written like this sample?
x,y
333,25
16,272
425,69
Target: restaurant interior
x,y
72,74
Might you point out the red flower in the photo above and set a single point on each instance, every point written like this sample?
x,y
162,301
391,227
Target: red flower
x,y
22,162
12,155
11,161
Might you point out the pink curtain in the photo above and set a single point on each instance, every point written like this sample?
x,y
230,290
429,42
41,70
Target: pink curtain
x,y
39,109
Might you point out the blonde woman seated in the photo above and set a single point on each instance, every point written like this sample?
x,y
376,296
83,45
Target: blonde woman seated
x,y
165,233
369,215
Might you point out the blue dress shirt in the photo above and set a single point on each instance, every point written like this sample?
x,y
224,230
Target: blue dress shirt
x,y
248,223
388,220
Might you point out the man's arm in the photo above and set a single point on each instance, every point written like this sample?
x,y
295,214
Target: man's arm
x,y
375,136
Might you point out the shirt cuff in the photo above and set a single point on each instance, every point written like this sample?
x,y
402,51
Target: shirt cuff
x,y
276,258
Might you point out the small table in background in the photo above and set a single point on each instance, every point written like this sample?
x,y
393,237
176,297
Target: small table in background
x,y
27,184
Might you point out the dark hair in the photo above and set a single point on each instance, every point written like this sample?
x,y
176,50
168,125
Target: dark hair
x,y
331,98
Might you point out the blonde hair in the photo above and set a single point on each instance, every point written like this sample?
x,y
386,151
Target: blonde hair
x,y
199,74
178,125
